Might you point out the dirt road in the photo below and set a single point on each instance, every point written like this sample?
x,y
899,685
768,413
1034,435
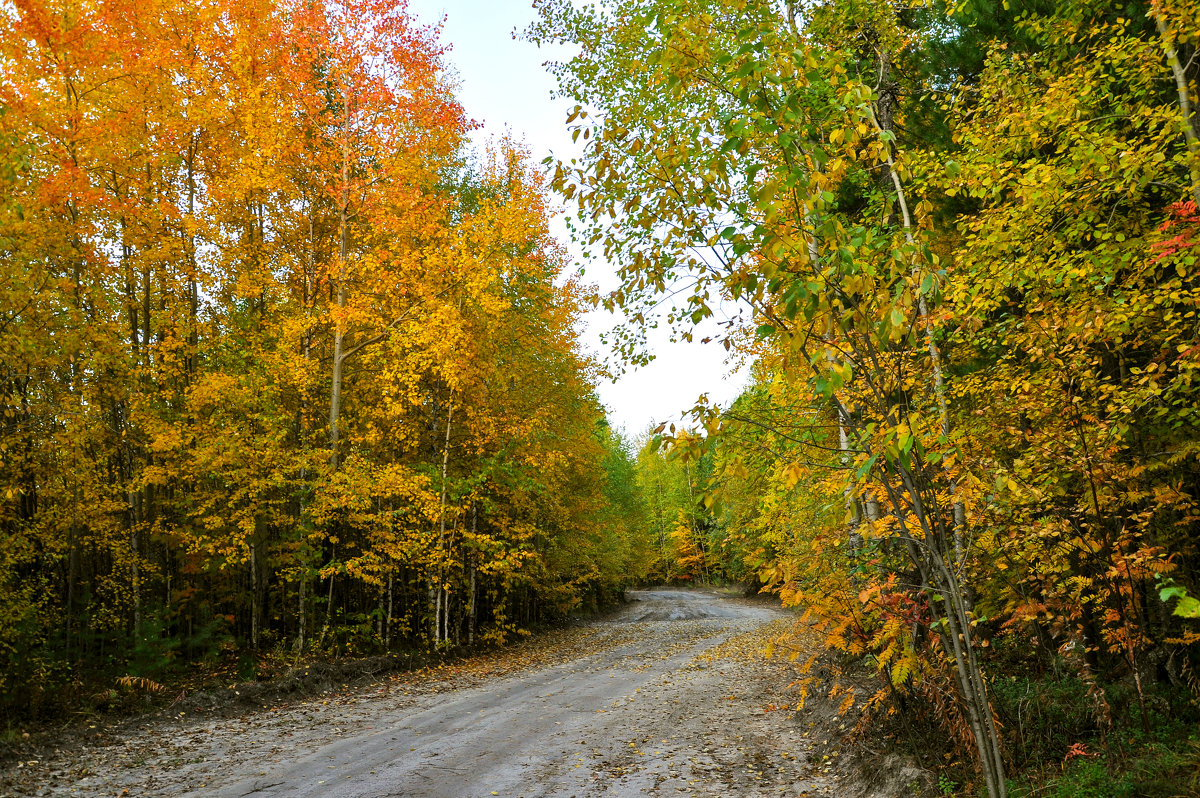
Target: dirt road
x,y
667,697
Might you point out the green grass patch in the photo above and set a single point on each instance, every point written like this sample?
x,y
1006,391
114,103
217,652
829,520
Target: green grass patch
x,y
1154,770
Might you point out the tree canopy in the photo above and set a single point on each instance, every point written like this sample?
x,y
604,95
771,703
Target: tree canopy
x,y
285,366
965,232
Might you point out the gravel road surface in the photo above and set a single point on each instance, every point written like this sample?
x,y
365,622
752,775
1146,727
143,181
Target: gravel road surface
x,y
668,697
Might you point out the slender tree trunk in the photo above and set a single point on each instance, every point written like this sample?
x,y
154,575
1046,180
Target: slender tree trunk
x,y
387,628
255,608
437,613
335,394
926,551
471,606
935,356
381,613
147,350
439,570
135,545
328,608
1187,116
855,538
193,277
126,446
72,573
302,611
695,537
662,529
335,391
844,422
329,601
471,612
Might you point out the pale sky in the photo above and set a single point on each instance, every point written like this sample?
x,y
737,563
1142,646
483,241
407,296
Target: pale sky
x,y
505,87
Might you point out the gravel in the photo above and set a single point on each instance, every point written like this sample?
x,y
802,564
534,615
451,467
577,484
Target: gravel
x,y
671,696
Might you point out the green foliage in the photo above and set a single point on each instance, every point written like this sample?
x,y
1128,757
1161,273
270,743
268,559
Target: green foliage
x,y
1186,607
683,535
964,235
1154,770
208,639
154,649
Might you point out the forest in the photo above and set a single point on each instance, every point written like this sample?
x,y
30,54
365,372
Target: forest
x,y
290,369
285,366
964,239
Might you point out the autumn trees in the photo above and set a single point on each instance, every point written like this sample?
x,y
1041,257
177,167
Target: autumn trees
x,y
965,235
282,364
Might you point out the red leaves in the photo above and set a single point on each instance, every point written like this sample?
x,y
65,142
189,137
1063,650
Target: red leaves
x,y
1184,217
1077,749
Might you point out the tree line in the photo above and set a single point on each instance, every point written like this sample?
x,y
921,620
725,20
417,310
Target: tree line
x,y
283,365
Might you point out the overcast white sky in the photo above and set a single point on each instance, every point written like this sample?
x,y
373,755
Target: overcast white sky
x,y
505,87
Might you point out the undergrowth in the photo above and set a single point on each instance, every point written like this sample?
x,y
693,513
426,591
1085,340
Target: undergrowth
x,y
1065,736
1146,769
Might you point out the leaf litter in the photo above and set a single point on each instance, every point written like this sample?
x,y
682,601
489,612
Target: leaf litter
x,y
673,707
